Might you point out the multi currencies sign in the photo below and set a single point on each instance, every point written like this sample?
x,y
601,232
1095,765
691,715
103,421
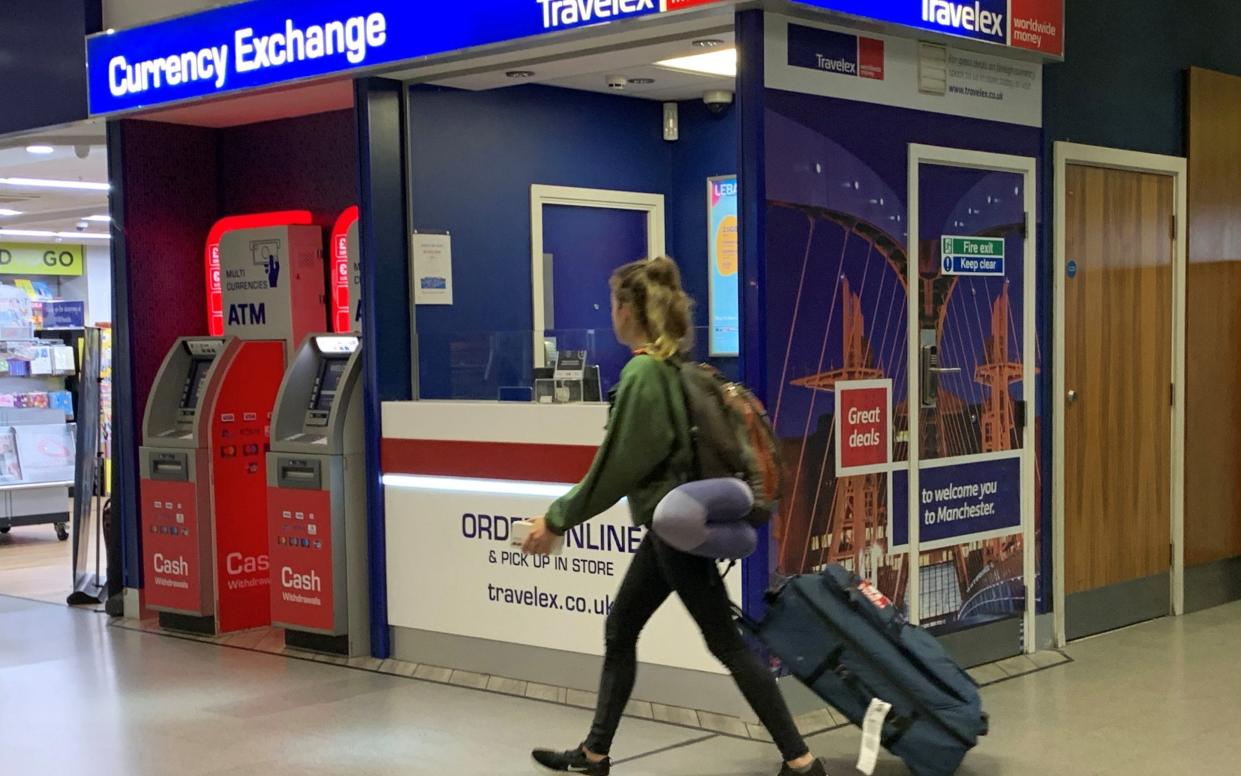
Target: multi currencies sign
x,y
1037,25
262,43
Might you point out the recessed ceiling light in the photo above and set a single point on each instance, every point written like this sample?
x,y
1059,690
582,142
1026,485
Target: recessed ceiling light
x,y
4,211
45,183
641,81
99,219
40,149
718,63
520,74
707,43
50,234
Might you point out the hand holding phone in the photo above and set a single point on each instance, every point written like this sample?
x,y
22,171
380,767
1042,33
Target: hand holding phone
x,y
535,538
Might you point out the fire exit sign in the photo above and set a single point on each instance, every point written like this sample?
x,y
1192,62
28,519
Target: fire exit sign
x,y
982,256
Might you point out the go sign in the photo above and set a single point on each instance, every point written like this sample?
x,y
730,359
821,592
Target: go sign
x,y
32,259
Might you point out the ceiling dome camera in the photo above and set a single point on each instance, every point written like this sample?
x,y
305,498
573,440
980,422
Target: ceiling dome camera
x,y
718,100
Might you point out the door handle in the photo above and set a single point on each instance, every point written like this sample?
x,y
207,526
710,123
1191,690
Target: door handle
x,y
931,370
1072,396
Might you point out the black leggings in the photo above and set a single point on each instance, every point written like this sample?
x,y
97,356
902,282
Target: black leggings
x,y
657,570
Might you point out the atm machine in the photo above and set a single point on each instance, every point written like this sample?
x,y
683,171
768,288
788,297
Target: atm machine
x,y
206,430
174,460
316,502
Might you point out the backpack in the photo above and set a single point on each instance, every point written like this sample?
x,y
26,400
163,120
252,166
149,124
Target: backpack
x,y
732,436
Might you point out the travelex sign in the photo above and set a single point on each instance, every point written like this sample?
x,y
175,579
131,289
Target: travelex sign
x,y
262,43
1037,25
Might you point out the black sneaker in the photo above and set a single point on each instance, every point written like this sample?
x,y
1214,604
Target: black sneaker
x,y
815,770
572,761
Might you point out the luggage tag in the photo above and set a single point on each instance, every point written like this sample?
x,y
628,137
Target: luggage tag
x,y
872,735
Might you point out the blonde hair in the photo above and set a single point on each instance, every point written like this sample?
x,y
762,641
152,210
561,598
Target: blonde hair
x,y
652,289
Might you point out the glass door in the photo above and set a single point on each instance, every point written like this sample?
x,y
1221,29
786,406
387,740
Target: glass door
x,y
969,489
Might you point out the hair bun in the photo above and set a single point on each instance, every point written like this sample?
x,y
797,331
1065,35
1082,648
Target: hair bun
x,y
665,311
664,271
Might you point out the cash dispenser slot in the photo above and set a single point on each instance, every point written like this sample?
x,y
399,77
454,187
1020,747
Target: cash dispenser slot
x,y
170,467
299,473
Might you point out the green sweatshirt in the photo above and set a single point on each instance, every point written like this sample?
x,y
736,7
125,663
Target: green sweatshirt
x,y
645,454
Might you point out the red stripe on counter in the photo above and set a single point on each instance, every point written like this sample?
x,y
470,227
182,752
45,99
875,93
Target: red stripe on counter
x,y
489,460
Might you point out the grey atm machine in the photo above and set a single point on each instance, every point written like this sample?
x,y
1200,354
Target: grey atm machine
x,y
175,461
317,500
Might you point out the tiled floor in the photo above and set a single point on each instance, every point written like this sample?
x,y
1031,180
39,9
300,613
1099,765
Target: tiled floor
x,y
34,564
817,720
76,695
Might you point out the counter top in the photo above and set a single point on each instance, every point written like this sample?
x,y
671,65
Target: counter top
x,y
493,440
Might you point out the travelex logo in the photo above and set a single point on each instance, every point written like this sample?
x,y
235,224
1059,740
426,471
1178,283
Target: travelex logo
x,y
568,13
251,51
836,52
974,20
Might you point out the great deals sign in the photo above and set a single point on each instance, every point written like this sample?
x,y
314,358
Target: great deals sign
x,y
863,426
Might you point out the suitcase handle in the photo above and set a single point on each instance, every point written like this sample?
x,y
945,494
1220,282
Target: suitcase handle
x,y
744,620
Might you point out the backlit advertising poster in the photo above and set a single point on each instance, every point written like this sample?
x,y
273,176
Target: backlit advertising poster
x,y
723,255
837,250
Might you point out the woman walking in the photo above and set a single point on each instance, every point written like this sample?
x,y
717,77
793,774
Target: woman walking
x,y
647,452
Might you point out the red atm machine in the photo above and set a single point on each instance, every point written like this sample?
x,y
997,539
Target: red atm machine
x,y
206,434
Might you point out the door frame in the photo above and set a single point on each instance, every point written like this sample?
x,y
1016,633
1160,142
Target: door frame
x,y
1026,166
1128,161
542,194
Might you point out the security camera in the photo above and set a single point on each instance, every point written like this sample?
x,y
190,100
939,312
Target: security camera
x,y
617,82
718,100
81,226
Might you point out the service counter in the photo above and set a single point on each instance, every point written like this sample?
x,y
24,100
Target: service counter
x,y
456,476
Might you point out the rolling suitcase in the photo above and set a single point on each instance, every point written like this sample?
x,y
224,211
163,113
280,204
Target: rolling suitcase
x,y
847,643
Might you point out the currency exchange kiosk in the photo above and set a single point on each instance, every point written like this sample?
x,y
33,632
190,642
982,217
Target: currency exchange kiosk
x,y
206,430
316,503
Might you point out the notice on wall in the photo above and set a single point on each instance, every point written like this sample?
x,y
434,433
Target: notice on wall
x,y
723,253
960,502
863,426
432,258
452,570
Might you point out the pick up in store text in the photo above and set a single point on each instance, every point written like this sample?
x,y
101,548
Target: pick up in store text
x,y
519,559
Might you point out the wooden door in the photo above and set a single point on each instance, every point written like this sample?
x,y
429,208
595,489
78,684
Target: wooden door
x,y
1118,371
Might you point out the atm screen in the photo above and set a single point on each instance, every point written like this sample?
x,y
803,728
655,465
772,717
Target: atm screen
x,y
329,380
194,383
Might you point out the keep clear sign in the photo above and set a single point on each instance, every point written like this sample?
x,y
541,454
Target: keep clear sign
x,y
973,255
